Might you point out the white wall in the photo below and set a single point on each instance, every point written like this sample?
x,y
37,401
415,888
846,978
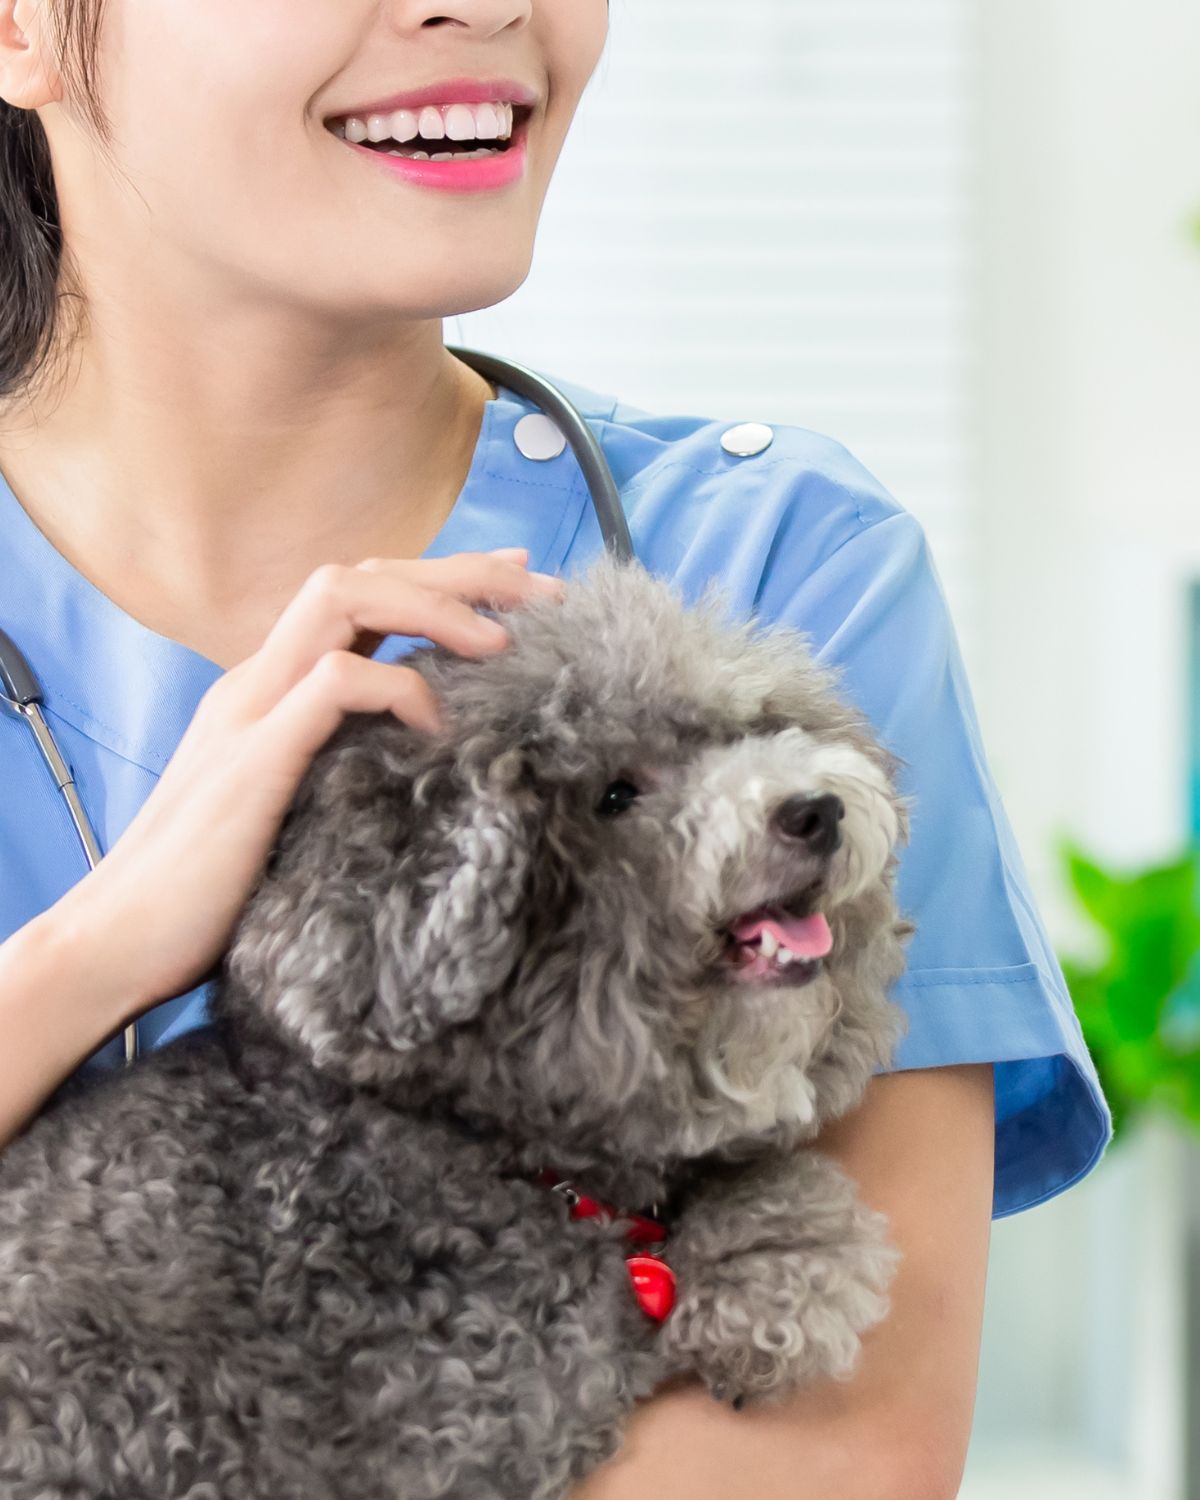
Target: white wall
x,y
1089,448
1089,427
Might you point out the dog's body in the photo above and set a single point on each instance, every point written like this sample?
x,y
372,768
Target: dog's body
x,y
308,1254
316,1298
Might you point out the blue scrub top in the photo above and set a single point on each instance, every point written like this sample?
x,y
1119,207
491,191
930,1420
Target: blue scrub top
x,y
799,533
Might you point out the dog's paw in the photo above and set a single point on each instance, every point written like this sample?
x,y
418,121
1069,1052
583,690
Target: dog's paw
x,y
738,1376
720,1391
737,1400
764,1323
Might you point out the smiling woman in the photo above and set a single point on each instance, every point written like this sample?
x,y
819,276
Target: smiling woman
x,y
241,478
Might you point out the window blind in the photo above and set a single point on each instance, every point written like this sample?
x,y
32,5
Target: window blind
x,y
763,211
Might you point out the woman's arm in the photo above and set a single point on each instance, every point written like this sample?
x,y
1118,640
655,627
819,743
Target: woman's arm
x,y
921,1148
63,993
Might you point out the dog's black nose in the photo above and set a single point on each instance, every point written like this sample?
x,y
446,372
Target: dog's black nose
x,y
812,820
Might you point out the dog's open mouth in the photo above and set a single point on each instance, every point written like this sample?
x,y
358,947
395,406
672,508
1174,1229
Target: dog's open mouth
x,y
772,943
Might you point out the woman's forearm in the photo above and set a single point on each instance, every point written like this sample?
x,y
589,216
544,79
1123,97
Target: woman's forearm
x,y
683,1445
61,996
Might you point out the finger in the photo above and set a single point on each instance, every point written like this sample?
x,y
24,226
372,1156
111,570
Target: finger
x,y
337,605
448,574
341,682
526,585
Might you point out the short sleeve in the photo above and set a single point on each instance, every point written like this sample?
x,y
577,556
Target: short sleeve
x,y
982,982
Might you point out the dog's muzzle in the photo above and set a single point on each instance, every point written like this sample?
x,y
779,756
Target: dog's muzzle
x,y
785,941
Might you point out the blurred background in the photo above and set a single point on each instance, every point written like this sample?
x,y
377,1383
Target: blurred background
x,y
962,238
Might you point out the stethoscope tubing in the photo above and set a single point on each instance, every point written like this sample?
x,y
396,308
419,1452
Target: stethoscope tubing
x,y
602,487
23,693
20,688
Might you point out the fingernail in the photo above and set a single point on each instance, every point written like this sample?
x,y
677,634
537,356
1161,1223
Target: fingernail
x,y
548,582
510,552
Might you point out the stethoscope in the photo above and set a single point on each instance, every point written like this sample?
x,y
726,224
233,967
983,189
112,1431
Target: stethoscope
x,y
20,689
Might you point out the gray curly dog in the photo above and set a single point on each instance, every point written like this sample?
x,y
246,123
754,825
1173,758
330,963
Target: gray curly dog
x,y
310,1254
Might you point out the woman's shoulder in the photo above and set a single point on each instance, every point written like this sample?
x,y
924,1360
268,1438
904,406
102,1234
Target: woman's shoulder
x,y
762,505
745,453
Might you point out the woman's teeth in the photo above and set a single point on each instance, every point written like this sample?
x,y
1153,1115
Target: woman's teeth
x,y
435,122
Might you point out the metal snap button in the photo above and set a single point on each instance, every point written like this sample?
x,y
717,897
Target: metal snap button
x,y
747,439
537,437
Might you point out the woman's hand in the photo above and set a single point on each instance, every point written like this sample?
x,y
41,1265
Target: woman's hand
x,y
165,899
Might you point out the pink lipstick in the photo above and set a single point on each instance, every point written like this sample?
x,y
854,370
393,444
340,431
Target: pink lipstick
x,y
486,173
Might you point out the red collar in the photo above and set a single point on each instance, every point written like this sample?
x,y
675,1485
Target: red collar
x,y
653,1280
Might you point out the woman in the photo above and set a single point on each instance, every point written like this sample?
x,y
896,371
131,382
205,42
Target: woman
x,y
239,467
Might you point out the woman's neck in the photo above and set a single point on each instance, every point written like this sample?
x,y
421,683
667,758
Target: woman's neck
x,y
199,500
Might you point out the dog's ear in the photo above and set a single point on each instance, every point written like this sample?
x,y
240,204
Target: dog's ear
x,y
450,931
394,905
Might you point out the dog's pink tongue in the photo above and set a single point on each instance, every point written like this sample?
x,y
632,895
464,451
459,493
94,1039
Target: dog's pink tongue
x,y
807,937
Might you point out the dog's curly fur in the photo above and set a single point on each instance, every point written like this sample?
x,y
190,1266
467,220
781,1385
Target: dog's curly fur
x,y
305,1254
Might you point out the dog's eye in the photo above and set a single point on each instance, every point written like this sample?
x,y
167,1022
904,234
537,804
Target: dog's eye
x,y
618,796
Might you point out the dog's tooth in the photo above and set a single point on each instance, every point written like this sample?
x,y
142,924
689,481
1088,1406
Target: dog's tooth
x,y
784,957
769,943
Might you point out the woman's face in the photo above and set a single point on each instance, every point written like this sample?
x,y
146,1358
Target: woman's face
x,y
230,180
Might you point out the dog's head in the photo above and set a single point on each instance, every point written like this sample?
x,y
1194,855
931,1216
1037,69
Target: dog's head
x,y
640,888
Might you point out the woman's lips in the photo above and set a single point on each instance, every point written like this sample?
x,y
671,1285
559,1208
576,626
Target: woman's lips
x,y
480,175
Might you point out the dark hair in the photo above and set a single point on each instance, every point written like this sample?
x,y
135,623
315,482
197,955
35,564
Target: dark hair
x,y
32,264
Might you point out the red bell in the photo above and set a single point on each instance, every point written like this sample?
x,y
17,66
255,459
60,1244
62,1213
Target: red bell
x,y
653,1284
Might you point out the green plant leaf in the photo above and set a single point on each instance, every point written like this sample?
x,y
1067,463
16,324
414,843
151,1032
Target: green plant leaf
x,y
1096,888
1089,995
1139,1009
